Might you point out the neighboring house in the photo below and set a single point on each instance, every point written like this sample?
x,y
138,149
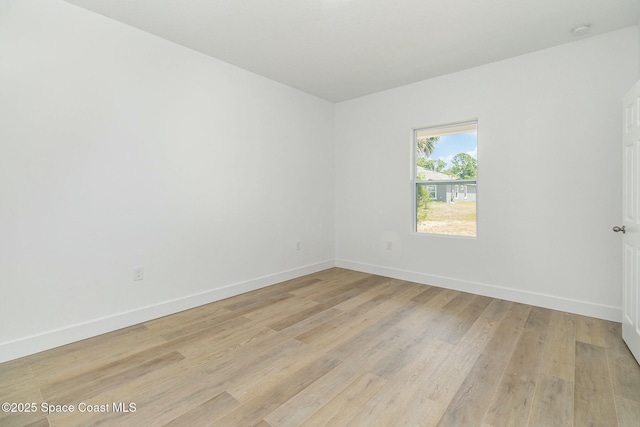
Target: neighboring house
x,y
462,190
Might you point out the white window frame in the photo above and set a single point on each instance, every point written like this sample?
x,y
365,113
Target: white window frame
x,y
439,130
433,189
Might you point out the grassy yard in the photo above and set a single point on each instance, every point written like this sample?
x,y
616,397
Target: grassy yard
x,y
450,218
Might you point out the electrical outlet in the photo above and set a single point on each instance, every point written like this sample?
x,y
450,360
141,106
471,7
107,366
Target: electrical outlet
x,y
389,246
298,246
138,273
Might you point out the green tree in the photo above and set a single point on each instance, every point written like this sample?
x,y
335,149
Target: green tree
x,y
423,200
422,162
436,165
464,166
425,146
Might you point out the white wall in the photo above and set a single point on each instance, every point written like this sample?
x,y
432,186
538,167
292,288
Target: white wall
x,y
549,138
118,149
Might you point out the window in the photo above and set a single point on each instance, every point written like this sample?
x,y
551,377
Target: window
x,y
433,191
446,179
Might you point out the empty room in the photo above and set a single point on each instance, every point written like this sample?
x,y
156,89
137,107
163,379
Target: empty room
x,y
319,212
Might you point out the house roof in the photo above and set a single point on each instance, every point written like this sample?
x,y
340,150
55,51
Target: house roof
x,y
427,175
433,175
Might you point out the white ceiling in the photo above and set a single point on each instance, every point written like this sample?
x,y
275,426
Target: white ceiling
x,y
343,49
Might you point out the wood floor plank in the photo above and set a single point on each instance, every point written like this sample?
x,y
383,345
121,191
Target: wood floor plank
x,y
249,365
628,412
415,340
295,284
560,351
168,323
207,412
21,419
469,405
341,294
256,409
218,348
512,401
552,404
329,330
589,330
427,310
311,322
42,422
14,372
65,390
18,385
406,397
625,375
17,381
337,279
496,309
372,296
88,353
427,294
363,339
459,302
593,397
346,326
280,310
300,407
356,360
341,347
378,305
93,346
255,302
339,274
404,353
442,382
208,325
299,316
465,319
406,290
235,350
160,396
278,370
346,404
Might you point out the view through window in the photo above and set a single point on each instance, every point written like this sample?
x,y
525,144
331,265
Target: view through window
x,y
446,179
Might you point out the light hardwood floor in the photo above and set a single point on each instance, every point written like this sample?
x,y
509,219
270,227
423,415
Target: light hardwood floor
x,y
340,348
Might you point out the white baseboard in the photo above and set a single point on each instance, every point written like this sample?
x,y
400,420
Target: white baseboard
x,y
585,308
56,338
47,340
